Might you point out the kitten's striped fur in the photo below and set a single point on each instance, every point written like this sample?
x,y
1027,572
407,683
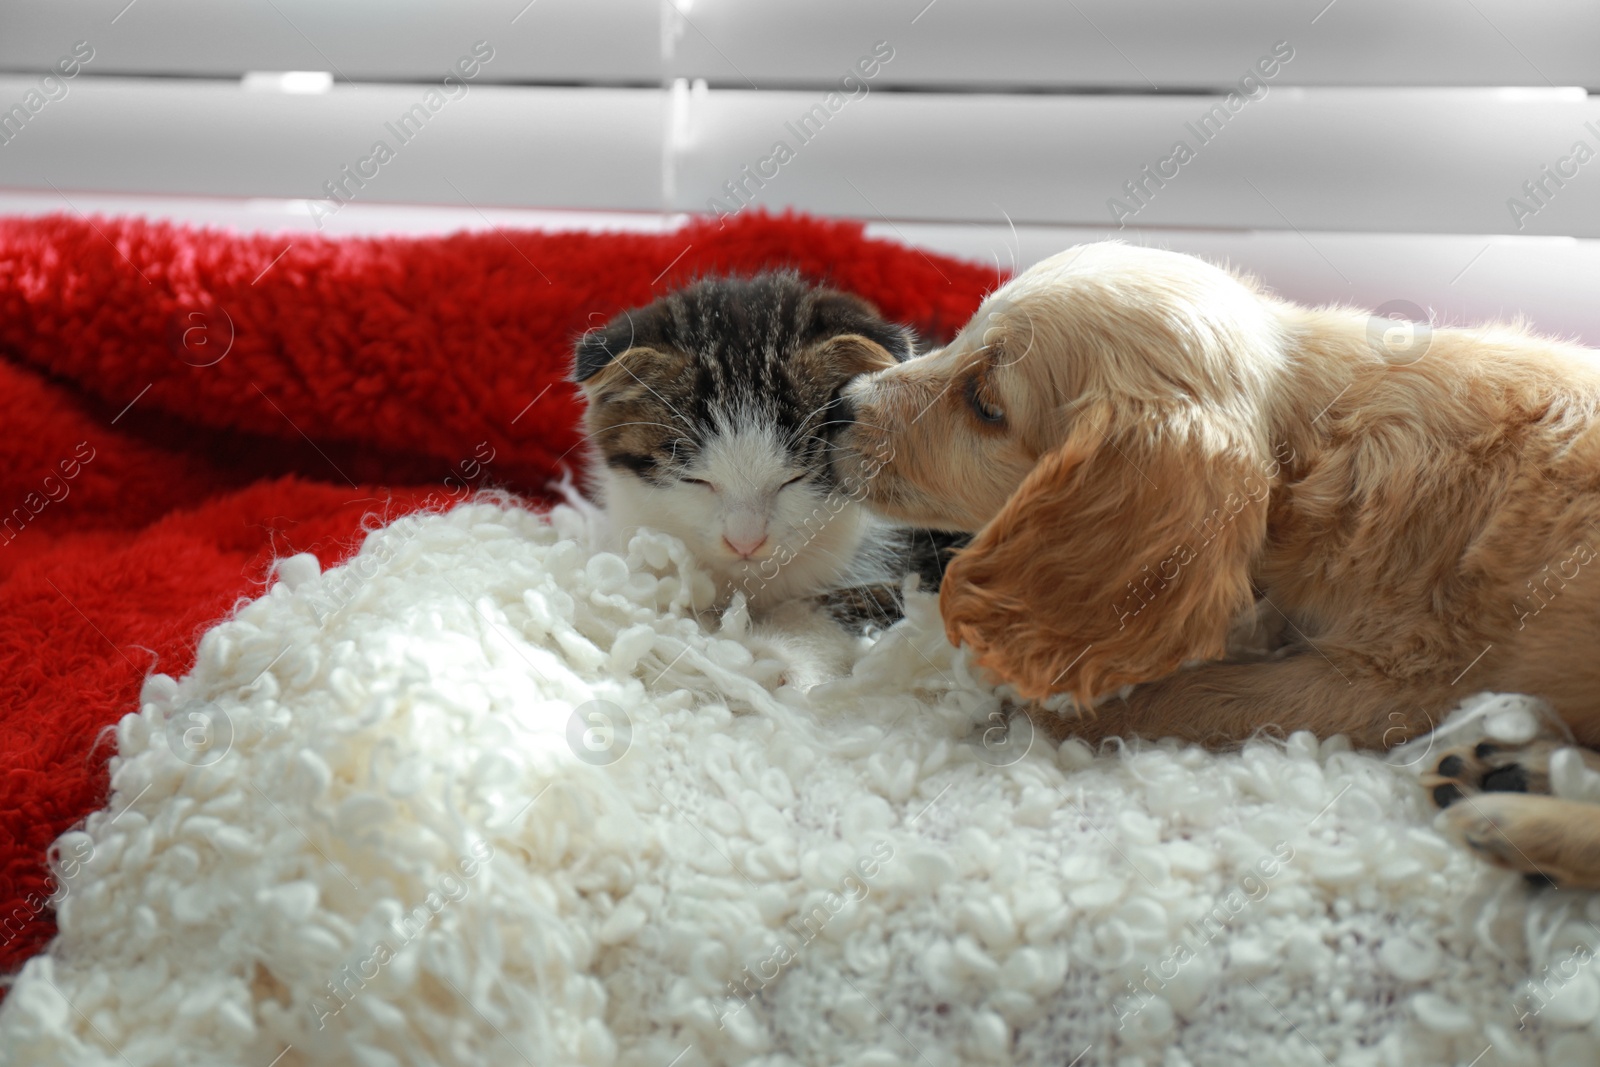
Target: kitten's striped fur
x,y
712,415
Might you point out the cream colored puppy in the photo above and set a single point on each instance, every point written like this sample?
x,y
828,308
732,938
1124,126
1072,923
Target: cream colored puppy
x,y
1148,445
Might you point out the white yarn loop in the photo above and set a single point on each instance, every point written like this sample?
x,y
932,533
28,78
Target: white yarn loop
x,y
499,797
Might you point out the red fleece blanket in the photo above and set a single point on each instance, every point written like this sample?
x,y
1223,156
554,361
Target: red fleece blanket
x,y
183,407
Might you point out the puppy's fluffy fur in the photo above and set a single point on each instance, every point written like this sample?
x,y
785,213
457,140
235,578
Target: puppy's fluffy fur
x,y
1151,447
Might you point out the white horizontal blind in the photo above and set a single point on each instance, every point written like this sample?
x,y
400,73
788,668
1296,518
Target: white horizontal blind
x,y
1133,45
1344,115
1412,160
1140,45
597,148
1259,129
612,42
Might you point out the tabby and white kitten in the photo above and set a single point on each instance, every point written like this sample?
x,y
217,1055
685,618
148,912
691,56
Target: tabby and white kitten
x,y
712,414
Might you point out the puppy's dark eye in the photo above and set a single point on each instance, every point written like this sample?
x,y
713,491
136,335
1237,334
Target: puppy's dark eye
x,y
981,407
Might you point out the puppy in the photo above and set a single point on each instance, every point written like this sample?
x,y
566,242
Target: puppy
x,y
1150,448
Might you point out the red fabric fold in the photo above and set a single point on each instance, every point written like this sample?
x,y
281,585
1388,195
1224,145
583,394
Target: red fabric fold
x,y
182,407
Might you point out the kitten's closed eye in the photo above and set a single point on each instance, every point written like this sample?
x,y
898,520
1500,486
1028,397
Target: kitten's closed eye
x,y
713,487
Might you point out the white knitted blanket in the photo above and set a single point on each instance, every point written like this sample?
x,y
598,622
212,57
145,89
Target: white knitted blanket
x,y
486,796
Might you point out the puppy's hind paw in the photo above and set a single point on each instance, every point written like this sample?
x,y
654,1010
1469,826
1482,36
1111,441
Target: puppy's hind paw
x,y
1497,767
1554,841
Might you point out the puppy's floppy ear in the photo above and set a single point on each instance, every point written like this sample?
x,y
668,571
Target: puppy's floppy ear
x,y
1126,552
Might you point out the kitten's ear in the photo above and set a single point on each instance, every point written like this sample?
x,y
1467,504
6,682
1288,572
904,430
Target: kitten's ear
x,y
846,313
591,355
626,376
619,357
898,341
597,348
843,357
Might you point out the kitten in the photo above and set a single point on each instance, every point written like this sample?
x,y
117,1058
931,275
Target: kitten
x,y
712,414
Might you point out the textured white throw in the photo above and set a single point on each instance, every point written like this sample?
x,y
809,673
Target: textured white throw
x,y
487,796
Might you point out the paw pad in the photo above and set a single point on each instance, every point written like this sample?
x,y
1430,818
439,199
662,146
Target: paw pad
x,y
1490,767
1512,779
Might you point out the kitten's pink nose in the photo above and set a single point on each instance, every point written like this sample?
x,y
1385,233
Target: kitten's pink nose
x,y
745,546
